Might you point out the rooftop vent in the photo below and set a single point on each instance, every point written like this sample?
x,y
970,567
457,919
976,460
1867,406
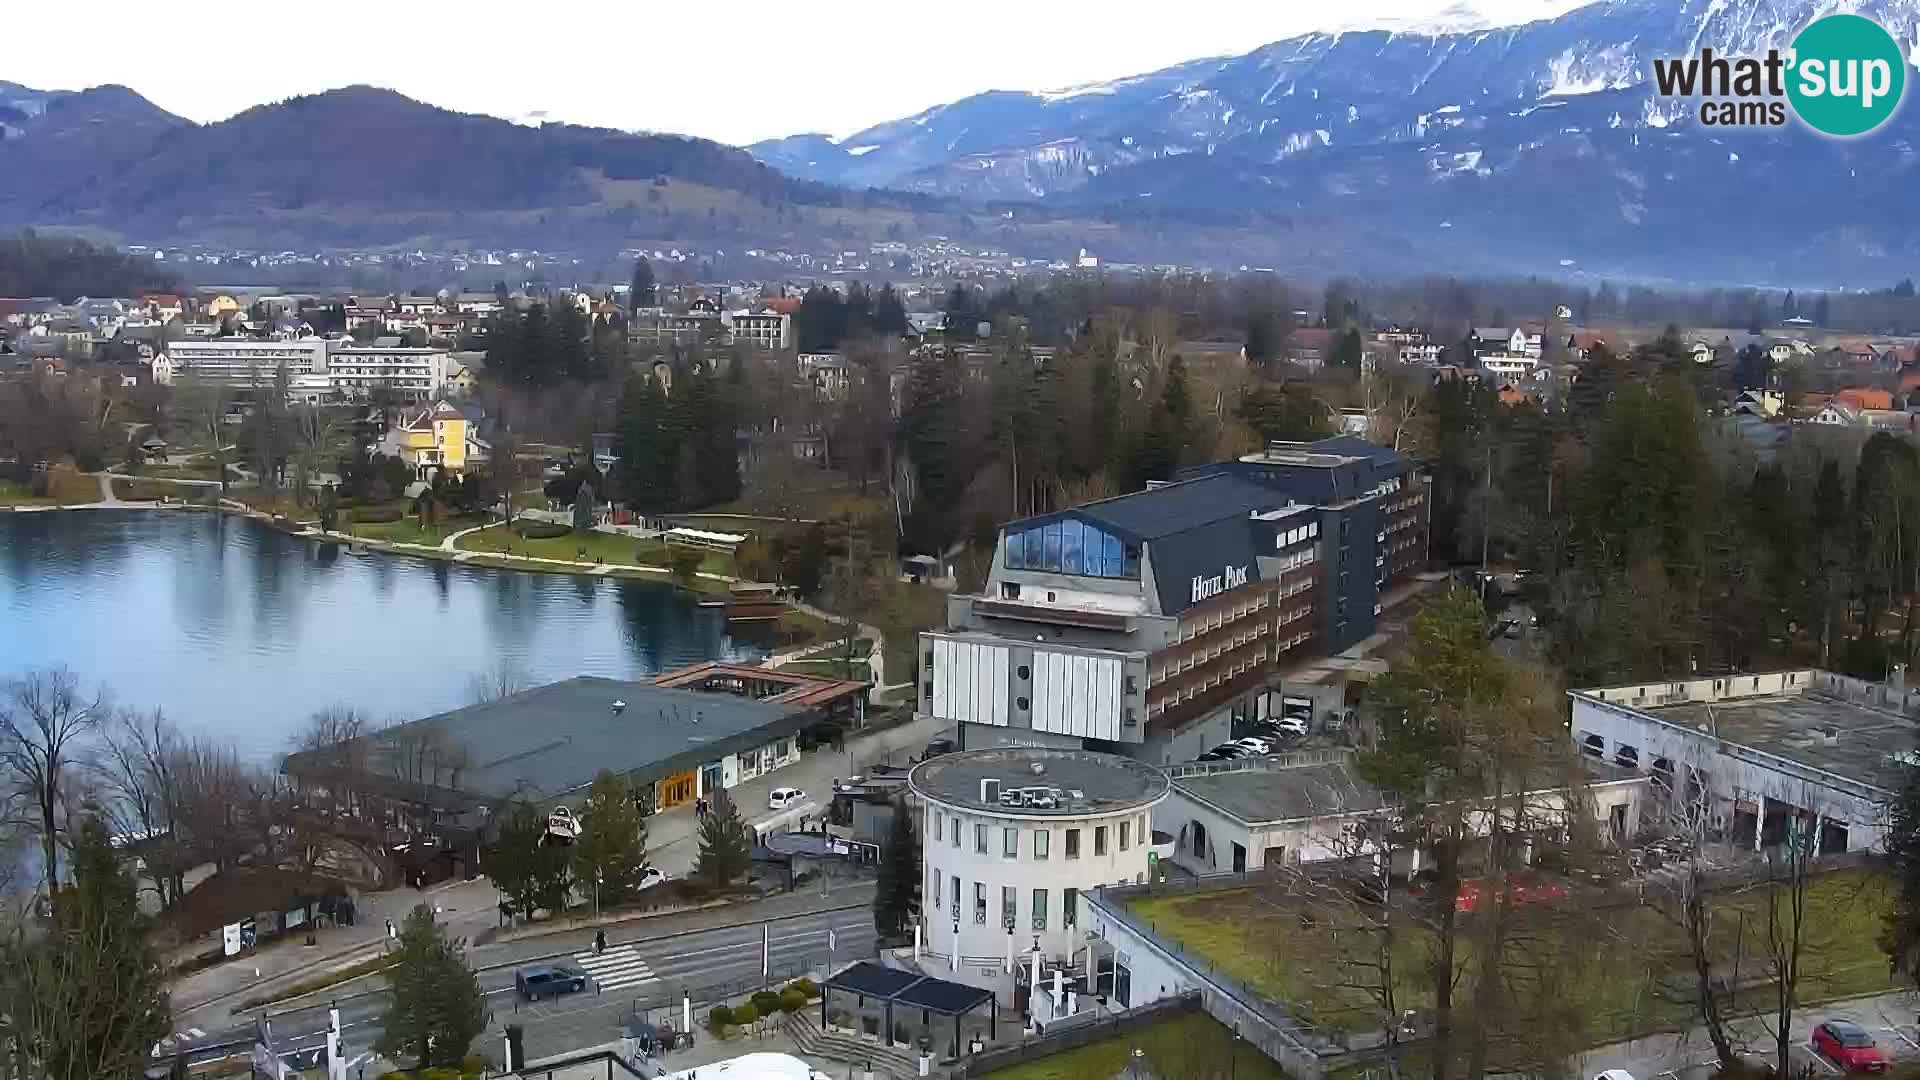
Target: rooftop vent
x,y
1830,733
619,707
989,791
1039,768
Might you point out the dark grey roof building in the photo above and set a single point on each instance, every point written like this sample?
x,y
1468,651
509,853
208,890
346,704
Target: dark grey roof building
x,y
1145,618
548,743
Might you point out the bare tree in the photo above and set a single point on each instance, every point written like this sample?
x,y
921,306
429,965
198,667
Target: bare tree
x,y
333,749
47,726
1686,803
507,678
213,788
136,765
204,405
314,429
1788,936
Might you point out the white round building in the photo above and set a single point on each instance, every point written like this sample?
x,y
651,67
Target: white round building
x,y
1011,837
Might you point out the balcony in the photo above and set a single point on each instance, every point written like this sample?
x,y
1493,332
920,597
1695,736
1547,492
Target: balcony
x,y
1050,615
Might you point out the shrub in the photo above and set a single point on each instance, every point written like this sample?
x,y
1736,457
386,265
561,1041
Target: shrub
x,y
542,530
473,1065
376,515
745,1014
765,1002
792,1001
396,1076
805,986
440,1074
719,1018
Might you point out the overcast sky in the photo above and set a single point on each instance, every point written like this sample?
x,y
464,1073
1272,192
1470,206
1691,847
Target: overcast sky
x,y
732,72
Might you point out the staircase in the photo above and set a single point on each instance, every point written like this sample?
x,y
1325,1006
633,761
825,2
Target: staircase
x,y
901,1062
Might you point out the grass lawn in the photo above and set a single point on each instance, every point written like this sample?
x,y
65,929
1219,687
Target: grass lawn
x,y
1186,1046
605,547
12,494
1610,960
143,489
409,530
905,610
832,669
198,467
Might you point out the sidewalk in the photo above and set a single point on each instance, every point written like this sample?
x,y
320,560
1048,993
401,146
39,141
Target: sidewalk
x,y
288,960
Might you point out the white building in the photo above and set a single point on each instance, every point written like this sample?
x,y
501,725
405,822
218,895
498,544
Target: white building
x,y
760,329
1012,837
244,361
1764,751
1313,806
414,374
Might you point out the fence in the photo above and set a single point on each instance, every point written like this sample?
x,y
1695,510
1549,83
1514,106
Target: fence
x,y
1072,1037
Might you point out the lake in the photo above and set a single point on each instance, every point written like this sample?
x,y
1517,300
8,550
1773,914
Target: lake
x,y
240,631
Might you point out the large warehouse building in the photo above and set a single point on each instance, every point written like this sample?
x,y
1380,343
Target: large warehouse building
x,y
1144,623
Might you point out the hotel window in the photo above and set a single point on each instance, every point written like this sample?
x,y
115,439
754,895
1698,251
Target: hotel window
x,y
1073,843
1100,840
1041,839
1009,906
936,890
980,903
1039,909
1069,907
1010,843
1125,828
955,894
955,831
979,839
938,825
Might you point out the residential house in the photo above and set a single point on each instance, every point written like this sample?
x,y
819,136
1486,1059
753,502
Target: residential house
x,y
1762,403
1836,414
437,437
1864,397
477,304
826,372
1502,339
219,306
764,329
161,306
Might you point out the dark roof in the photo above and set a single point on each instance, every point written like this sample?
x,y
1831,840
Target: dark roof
x,y
1285,794
554,739
909,988
1179,507
1106,782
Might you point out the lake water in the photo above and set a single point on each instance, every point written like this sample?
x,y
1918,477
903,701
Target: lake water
x,y
240,631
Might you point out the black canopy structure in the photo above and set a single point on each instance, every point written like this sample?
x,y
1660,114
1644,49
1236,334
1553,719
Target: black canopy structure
x,y
867,979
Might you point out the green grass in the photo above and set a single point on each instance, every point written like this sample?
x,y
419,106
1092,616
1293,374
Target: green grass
x,y
604,547
12,494
1610,959
318,982
831,669
409,530
1185,1046
904,611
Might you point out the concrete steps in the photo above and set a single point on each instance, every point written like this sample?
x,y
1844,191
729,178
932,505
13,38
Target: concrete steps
x,y
901,1062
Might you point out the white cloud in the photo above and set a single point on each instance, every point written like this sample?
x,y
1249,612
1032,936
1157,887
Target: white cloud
x,y
759,70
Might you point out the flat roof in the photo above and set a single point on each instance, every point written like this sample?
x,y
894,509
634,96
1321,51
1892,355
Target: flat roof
x,y
551,740
1813,728
1088,782
801,689
1319,784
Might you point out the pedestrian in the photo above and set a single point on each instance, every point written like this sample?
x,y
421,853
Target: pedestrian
x,y
599,942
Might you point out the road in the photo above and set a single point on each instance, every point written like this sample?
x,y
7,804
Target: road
x,y
633,974
1688,1055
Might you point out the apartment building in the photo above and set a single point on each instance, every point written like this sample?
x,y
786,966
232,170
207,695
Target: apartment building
x,y
241,361
355,370
1146,623
766,329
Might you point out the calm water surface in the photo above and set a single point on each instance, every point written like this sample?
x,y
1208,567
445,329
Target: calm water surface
x,y
239,631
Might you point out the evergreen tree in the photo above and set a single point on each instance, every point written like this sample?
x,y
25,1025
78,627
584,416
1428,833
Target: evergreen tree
x,y
613,838
889,314
726,846
528,870
88,999
896,898
1822,311
1900,932
642,295
583,503
437,1009
1348,350
645,448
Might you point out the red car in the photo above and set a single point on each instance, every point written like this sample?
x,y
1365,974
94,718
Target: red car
x,y
1521,890
1849,1046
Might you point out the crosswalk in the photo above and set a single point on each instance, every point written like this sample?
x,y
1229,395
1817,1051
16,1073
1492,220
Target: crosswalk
x,y
615,968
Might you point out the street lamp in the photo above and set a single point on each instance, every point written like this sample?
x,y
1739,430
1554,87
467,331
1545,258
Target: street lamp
x,y
1133,1064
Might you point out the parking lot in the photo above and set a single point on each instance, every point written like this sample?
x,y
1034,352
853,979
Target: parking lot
x,y
1689,1055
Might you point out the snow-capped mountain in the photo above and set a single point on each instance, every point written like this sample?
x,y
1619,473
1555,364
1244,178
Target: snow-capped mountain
x,y
1549,132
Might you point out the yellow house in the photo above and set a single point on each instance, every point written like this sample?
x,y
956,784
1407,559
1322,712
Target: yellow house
x,y
439,437
460,378
221,305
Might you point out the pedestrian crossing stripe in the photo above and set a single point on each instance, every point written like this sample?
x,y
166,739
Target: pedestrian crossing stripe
x,y
615,968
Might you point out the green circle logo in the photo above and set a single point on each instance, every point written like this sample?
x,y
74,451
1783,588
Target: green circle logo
x,y
1847,75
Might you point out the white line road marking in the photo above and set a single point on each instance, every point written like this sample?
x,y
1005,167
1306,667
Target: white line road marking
x,y
615,968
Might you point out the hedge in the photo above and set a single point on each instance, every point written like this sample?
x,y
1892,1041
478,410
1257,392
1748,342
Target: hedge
x,y
805,986
719,1018
792,1000
765,1002
376,515
541,530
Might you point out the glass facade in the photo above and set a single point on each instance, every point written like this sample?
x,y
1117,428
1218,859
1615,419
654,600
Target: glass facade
x,y
1072,547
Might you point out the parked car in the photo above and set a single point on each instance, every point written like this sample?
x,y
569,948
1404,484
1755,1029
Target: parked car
x,y
1477,894
1229,751
548,980
1849,1046
1291,725
649,877
782,797
1256,744
1613,1074
1218,753
938,746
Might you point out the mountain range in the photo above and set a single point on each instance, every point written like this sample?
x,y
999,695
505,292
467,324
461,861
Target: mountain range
x,y
1543,142
1535,148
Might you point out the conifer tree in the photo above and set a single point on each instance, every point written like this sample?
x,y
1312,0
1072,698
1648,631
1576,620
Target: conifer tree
x,y
437,1008
896,899
726,847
